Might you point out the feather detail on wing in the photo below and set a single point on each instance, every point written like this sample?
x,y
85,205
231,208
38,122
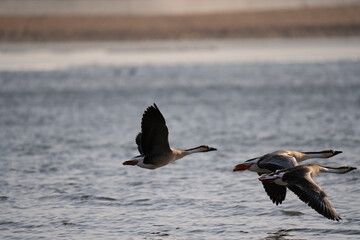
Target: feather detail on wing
x,y
154,132
309,192
277,193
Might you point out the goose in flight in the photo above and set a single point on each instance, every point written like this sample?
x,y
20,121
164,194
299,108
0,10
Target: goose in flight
x,y
281,159
153,143
299,180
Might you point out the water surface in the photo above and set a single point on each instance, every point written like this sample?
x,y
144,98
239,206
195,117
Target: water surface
x,y
66,130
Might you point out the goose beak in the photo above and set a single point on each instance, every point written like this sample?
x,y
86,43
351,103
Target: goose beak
x,y
130,162
212,149
336,152
242,167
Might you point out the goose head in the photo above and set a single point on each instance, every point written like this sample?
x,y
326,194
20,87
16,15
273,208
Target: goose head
x,y
202,148
323,154
205,148
271,177
246,165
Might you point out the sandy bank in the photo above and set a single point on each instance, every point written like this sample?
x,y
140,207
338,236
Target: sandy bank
x,y
322,21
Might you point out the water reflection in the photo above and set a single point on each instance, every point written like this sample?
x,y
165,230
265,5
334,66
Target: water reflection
x,y
281,234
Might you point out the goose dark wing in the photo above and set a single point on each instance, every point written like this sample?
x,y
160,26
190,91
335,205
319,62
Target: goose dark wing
x,y
277,193
309,192
138,143
273,162
276,162
154,132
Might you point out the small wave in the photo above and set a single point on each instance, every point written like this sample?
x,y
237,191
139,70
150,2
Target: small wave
x,y
160,234
46,169
7,223
197,231
29,171
72,184
19,224
49,197
279,234
135,183
106,198
3,198
66,223
292,213
85,197
90,197
337,231
142,200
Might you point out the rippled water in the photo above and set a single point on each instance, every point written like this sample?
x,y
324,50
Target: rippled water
x,y
65,133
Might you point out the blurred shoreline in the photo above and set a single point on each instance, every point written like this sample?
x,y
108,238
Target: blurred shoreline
x,y
282,23
51,56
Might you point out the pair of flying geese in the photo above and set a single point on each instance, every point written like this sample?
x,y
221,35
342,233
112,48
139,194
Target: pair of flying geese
x,y
278,170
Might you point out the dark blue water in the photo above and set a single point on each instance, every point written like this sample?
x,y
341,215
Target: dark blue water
x,y
65,133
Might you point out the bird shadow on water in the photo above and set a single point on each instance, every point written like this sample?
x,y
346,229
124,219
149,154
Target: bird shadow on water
x,y
281,234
